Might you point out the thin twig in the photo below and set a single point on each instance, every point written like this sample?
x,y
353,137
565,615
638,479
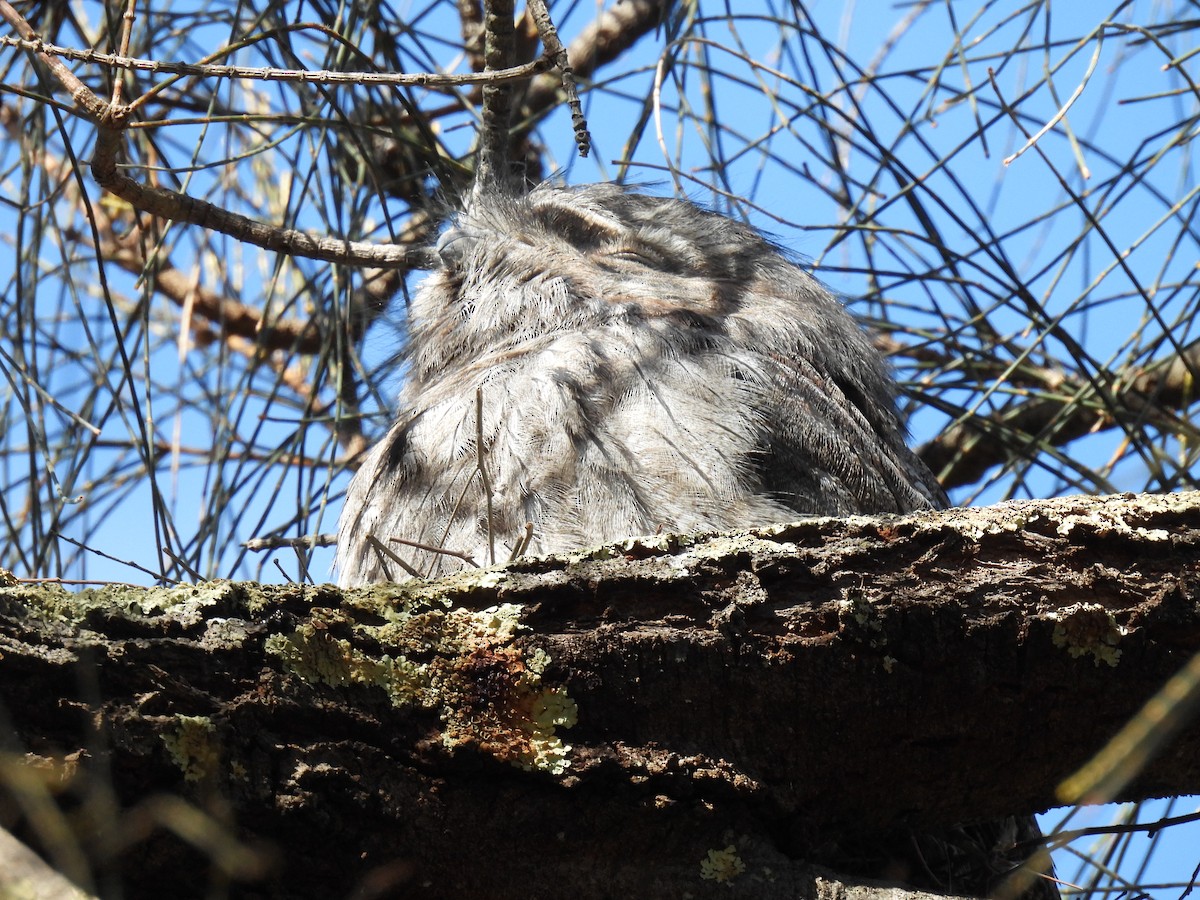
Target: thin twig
x,y
441,551
304,542
1062,111
126,31
182,563
557,52
272,73
523,544
388,554
288,579
614,31
483,476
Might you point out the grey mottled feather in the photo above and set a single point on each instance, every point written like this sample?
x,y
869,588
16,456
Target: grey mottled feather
x,y
644,366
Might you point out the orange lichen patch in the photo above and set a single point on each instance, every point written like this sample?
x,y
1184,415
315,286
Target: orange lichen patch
x,y
502,707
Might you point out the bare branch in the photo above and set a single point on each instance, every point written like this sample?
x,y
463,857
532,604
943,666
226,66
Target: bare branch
x,y
556,51
271,73
964,452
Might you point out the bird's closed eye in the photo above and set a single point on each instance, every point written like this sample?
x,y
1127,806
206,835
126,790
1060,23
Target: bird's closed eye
x,y
640,256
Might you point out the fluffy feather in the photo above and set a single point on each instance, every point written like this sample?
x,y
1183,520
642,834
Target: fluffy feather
x,y
644,365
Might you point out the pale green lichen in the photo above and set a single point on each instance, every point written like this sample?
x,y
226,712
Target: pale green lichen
x,y
859,615
186,604
537,660
501,622
595,554
418,596
314,655
551,709
193,597
489,578
1088,629
1109,521
519,726
664,544
193,746
977,525
722,865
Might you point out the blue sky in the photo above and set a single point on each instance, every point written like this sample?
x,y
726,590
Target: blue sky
x,y
781,166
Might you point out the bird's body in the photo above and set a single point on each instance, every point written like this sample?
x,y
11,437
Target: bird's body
x,y
633,364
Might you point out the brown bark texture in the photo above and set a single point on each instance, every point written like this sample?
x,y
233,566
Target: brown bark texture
x,y
671,716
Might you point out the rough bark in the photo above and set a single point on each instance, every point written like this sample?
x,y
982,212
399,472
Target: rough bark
x,y
663,717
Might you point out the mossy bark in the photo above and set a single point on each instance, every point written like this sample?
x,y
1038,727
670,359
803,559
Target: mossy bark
x,y
697,716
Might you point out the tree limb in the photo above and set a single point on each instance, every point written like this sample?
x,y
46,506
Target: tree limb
x,y
626,719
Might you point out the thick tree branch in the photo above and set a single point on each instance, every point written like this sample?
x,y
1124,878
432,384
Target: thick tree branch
x,y
756,695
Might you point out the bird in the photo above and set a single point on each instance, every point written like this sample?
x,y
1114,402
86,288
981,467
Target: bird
x,y
591,363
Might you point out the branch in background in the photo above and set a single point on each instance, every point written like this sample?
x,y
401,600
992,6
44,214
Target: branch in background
x,y
230,317
964,452
470,14
182,208
111,123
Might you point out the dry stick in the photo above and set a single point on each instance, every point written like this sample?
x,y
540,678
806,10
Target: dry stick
x,y
1062,838
443,551
126,31
462,496
483,476
182,563
613,32
388,554
523,544
556,51
302,562
304,542
287,579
